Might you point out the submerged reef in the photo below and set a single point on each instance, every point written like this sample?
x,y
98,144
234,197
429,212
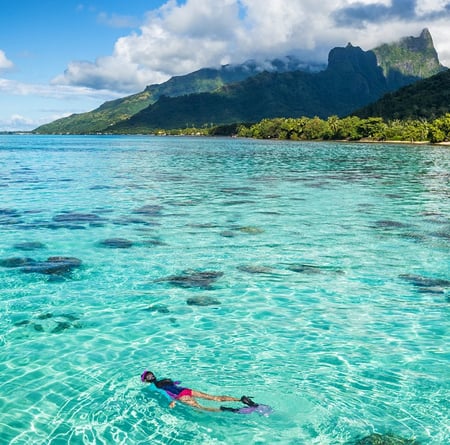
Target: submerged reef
x,y
116,243
29,245
73,217
312,269
160,308
255,269
202,301
51,323
420,281
73,220
55,265
385,439
149,210
16,262
426,284
190,278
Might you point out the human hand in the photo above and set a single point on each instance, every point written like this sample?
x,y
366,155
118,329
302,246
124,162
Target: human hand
x,y
172,404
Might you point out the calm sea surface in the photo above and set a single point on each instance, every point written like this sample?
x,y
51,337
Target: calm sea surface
x,y
314,277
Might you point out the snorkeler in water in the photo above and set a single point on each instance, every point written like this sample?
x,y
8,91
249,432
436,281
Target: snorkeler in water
x,y
174,392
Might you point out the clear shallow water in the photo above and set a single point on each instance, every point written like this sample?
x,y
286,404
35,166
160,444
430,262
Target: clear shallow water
x,y
326,308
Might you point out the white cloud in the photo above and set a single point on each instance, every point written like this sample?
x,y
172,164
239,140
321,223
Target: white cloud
x,y
430,6
174,40
16,122
5,63
26,106
441,38
181,38
13,87
368,2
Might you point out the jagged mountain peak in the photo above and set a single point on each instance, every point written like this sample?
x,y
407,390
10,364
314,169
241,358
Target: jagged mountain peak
x,y
422,42
411,57
351,58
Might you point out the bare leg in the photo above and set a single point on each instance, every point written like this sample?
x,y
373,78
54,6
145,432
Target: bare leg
x,y
203,395
192,402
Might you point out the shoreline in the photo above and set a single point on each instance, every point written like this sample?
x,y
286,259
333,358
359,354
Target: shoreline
x,y
358,141
371,141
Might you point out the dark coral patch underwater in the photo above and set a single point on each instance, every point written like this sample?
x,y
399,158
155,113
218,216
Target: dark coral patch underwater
x,y
152,210
202,301
255,269
427,284
81,218
56,265
200,279
116,243
385,439
51,323
30,245
75,221
9,217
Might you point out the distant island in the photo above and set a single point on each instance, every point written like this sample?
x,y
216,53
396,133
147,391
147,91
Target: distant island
x,y
15,132
213,101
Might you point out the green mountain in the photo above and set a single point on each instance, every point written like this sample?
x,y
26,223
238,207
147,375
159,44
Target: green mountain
x,y
97,120
410,59
352,79
425,99
206,79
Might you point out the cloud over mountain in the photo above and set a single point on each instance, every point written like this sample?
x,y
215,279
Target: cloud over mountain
x,y
181,37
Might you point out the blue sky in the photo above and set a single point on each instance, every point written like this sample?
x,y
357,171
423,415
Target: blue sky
x,y
58,57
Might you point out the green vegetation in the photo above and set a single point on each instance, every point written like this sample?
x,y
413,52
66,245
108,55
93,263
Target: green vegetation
x,y
350,128
101,118
351,80
113,112
414,57
425,99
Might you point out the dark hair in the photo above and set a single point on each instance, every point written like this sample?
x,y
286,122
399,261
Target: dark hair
x,y
158,383
163,382
145,374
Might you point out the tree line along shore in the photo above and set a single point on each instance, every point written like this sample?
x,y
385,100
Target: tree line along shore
x,y
351,128
334,128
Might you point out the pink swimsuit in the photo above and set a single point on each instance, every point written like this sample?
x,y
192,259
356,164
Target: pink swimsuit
x,y
185,392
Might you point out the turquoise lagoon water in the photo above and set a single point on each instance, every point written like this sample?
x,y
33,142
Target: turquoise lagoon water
x,y
333,306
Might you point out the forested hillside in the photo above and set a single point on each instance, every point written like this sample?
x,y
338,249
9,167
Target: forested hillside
x,y
426,99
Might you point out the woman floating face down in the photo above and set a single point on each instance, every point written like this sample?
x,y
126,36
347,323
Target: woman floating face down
x,y
174,392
